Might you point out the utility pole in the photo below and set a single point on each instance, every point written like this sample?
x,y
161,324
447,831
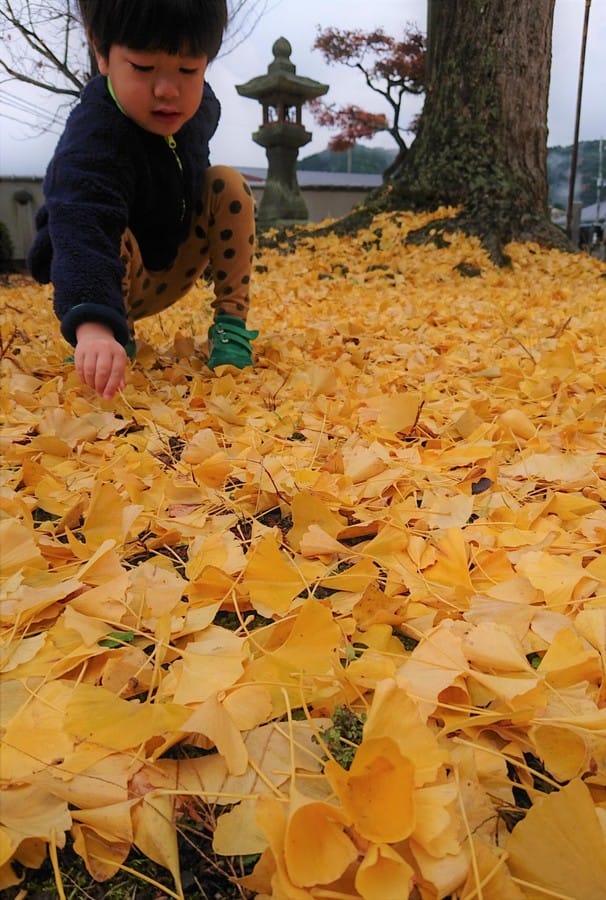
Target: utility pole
x,y
599,182
575,145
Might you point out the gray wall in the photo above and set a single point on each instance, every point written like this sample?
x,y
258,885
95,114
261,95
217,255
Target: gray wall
x,y
324,203
20,198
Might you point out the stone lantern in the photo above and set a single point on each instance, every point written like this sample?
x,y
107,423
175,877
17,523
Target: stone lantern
x,y
282,94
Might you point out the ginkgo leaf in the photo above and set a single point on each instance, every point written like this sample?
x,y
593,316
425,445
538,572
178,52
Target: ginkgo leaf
x,y
19,549
563,752
34,737
356,578
317,849
109,822
375,608
492,646
211,663
569,660
237,832
394,714
383,873
560,846
297,662
28,812
308,509
109,517
317,543
101,857
436,664
155,834
490,875
271,579
95,715
377,792
556,577
451,568
213,721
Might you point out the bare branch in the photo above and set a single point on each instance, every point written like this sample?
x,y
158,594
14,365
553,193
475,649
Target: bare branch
x,y
43,45
26,79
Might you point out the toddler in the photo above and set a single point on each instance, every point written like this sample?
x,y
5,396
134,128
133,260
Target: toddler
x,y
134,212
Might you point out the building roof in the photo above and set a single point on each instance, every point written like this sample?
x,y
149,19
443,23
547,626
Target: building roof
x,y
306,179
591,213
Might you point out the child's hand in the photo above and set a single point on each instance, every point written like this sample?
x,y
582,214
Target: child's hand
x,y
99,359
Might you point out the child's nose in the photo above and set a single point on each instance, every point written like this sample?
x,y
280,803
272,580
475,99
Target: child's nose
x,y
165,87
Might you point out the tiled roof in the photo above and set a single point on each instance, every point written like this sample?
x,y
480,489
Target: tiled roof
x,y
360,180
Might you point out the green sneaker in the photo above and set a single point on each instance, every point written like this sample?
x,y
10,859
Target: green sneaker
x,y
230,343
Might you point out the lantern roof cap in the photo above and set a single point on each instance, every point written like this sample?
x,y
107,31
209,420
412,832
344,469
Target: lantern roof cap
x,y
281,78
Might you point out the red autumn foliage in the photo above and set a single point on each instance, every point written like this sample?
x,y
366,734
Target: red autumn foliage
x,y
391,68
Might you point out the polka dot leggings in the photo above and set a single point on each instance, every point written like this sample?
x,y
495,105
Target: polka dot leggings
x,y
222,235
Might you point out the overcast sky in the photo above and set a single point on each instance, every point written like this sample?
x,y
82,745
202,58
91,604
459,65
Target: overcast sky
x,y
24,151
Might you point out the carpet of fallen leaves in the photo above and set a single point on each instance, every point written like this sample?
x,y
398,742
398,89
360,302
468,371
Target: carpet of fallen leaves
x,y
400,514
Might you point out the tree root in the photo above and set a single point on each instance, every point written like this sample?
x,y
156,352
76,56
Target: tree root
x,y
491,228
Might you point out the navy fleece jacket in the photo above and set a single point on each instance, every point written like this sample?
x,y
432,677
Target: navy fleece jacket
x,y
108,174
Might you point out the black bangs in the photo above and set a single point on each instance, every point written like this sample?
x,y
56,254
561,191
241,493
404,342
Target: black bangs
x,y
192,27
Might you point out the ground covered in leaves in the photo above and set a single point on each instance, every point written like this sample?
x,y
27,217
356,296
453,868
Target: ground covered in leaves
x,y
344,614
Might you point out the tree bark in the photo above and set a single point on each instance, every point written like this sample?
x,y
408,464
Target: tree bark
x,y
481,145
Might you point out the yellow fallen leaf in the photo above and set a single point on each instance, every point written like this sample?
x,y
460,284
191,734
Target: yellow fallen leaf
x,y
109,822
559,846
494,647
35,737
435,665
563,752
19,550
154,832
101,857
237,831
317,849
355,579
383,873
489,877
270,578
569,660
308,509
28,812
395,715
296,659
109,517
558,578
212,720
96,716
211,663
377,791
451,568
271,819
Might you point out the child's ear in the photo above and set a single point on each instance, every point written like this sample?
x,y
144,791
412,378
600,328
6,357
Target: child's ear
x,y
102,61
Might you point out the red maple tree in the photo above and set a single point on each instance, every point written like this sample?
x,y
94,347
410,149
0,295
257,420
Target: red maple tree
x,y
391,68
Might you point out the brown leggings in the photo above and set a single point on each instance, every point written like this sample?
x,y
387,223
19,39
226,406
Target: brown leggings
x,y
222,235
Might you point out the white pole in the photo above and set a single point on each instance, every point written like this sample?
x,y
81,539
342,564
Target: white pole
x,y
599,182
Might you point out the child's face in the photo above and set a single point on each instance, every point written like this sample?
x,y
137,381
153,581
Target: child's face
x,y
157,90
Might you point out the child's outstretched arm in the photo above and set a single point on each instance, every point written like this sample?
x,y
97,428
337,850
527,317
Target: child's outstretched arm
x,y
99,359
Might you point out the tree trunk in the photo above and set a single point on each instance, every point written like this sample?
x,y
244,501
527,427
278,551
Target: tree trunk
x,y
481,145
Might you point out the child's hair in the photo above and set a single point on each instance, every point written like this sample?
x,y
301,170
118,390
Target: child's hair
x,y
193,27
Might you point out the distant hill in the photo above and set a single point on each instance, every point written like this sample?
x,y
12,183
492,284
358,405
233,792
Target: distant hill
x,y
558,173
367,159
358,159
